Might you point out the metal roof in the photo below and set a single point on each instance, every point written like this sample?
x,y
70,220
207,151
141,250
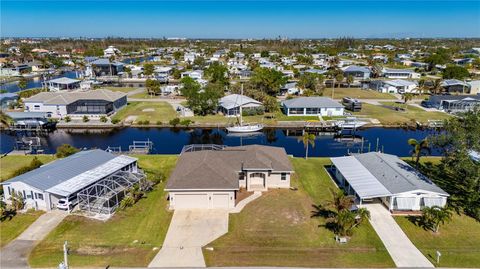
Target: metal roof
x,y
63,80
236,100
356,68
70,169
17,115
359,178
311,102
399,83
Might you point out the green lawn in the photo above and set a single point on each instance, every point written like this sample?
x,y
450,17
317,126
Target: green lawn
x,y
151,111
10,229
458,241
277,230
98,244
121,89
10,163
356,93
388,116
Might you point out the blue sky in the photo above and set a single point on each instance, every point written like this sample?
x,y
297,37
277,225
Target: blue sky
x,y
240,19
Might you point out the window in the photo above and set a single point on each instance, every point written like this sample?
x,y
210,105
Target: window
x,y
39,196
9,191
257,175
284,176
36,107
241,176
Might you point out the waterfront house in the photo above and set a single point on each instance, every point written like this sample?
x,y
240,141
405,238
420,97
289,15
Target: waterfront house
x,y
63,83
454,103
111,51
77,104
455,85
210,176
384,178
394,86
312,106
399,73
358,72
230,105
104,67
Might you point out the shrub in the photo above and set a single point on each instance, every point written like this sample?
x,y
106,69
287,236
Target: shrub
x,y
68,119
66,150
158,177
174,122
186,122
34,164
103,119
115,121
159,122
85,119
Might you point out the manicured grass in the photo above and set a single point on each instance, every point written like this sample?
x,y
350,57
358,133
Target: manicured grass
x,y
121,89
277,230
10,163
356,93
11,228
142,95
98,244
458,241
388,116
151,111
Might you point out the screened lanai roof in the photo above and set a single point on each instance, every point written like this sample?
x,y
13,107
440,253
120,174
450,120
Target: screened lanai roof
x,y
359,178
89,177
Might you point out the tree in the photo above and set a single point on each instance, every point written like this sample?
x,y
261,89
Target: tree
x,y
17,200
268,80
310,81
22,83
34,164
66,150
433,216
5,120
407,97
349,80
340,201
199,62
455,72
419,147
270,104
201,102
217,73
339,78
153,86
148,69
128,70
436,86
307,139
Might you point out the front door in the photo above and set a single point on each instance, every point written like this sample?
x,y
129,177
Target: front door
x,y
256,181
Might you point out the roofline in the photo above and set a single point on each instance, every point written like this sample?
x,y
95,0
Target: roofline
x,y
173,190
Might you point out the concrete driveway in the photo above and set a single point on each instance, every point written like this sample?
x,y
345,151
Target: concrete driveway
x,y
15,254
188,232
400,248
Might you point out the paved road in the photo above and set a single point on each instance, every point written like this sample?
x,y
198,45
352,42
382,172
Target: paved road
x,y
15,254
188,232
401,249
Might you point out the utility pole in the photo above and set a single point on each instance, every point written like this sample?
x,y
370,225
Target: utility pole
x,y
65,255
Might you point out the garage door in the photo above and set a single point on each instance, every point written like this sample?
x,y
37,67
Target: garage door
x,y
220,200
186,201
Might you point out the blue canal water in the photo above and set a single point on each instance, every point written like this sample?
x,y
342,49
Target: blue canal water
x,y
171,141
35,82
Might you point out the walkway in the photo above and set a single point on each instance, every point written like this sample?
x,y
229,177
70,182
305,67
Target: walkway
x,y
188,232
15,254
401,249
239,207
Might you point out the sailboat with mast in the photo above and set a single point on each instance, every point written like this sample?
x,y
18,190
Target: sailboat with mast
x,y
240,127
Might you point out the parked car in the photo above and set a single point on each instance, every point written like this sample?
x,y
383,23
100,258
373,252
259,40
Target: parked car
x,y
67,204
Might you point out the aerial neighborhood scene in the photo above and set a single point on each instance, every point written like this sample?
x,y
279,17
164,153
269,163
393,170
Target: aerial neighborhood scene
x,y
296,134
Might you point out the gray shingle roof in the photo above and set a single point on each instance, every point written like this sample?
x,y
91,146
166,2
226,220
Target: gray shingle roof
x,y
218,169
395,174
312,102
52,174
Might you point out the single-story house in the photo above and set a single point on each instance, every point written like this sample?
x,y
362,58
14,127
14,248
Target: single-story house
x,y
454,103
211,178
7,98
399,73
376,176
95,103
394,86
358,72
455,85
195,74
312,106
65,178
230,105
62,83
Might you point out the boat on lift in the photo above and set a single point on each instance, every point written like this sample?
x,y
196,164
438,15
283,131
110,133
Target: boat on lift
x,y
351,123
240,128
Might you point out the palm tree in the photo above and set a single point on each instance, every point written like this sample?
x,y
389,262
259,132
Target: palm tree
x,y
349,80
307,139
436,87
407,97
418,148
434,216
5,120
340,201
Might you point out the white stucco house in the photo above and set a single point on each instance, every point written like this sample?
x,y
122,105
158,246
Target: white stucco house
x,y
312,106
210,176
385,178
394,86
230,105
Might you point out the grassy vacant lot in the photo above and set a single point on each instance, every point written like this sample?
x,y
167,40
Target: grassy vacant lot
x,y
388,116
10,229
121,89
98,244
458,241
151,111
10,163
277,230
356,93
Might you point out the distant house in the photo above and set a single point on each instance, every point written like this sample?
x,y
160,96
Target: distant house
x,y
104,67
394,86
77,104
212,177
316,71
454,103
455,85
385,178
312,106
358,72
7,98
291,89
474,86
111,51
399,73
230,105
63,83
195,74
